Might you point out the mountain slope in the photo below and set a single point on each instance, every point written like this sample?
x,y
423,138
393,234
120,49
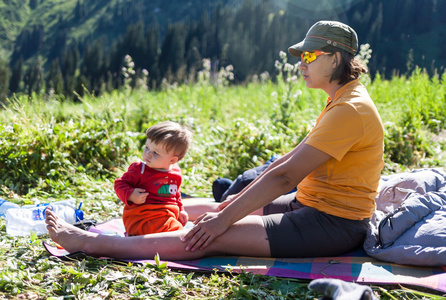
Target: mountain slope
x,y
13,15
75,21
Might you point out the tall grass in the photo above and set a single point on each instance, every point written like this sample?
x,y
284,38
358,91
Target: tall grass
x,y
46,144
412,109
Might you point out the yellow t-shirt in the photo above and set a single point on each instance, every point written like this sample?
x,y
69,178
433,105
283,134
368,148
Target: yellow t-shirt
x,y
350,130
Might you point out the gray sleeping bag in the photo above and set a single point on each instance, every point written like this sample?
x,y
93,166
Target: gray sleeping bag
x,y
409,225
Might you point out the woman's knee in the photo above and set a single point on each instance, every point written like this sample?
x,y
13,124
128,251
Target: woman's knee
x,y
245,237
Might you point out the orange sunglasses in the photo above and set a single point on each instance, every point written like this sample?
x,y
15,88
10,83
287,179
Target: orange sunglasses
x,y
308,57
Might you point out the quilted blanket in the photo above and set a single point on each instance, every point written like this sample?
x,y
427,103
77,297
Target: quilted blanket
x,y
409,225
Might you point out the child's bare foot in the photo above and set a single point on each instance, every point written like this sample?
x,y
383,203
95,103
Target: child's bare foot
x,y
69,237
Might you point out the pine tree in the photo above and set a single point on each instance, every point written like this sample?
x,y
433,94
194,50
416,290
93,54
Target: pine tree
x,y
79,10
172,51
117,55
34,78
133,42
193,56
16,76
214,42
68,68
425,16
151,51
5,73
33,4
55,83
92,66
441,7
59,45
28,42
37,37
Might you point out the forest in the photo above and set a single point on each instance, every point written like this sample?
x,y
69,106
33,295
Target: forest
x,y
56,55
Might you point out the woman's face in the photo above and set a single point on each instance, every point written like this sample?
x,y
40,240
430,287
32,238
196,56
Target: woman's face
x,y
317,73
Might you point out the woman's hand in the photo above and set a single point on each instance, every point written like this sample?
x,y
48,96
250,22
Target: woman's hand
x,y
225,203
207,228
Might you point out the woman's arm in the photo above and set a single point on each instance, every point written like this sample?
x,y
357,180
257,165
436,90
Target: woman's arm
x,y
274,164
279,179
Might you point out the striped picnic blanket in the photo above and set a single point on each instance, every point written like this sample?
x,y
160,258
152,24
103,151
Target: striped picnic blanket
x,y
355,266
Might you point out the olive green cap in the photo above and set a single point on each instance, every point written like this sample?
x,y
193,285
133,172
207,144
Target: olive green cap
x,y
325,33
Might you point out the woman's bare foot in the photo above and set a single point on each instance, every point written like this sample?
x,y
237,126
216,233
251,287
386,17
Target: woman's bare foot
x,y
66,235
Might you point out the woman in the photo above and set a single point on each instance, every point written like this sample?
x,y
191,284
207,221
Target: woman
x,y
336,169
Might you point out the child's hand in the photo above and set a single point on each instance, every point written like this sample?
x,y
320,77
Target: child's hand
x,y
138,196
183,218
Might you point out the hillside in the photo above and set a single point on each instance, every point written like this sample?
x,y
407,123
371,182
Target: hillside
x,y
13,17
78,20
74,21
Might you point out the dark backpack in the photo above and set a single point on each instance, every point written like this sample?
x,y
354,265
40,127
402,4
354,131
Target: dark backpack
x,y
223,187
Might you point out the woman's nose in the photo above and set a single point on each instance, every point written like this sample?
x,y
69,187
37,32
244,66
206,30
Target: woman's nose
x,y
301,65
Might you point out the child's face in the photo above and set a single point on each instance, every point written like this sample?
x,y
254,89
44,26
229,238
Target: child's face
x,y
156,156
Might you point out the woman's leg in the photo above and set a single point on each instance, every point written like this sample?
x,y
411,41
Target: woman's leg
x,y
246,237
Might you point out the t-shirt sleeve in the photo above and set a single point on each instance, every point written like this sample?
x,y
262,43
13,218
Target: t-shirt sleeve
x,y
337,132
125,185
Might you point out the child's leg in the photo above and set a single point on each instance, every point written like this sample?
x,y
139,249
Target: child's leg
x,y
195,207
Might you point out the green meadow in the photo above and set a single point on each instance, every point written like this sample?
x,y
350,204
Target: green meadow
x,y
53,149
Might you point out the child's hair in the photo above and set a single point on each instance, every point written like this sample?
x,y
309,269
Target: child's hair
x,y
173,136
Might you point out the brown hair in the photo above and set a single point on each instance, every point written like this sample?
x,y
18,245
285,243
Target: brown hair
x,y
173,136
348,69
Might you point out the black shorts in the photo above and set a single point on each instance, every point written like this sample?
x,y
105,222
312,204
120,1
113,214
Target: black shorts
x,y
295,230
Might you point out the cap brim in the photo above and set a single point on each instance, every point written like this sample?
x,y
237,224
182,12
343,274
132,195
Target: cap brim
x,y
306,45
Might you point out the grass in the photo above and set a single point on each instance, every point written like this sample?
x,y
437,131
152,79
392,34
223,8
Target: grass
x,y
51,150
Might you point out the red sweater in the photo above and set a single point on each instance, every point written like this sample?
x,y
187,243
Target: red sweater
x,y
163,187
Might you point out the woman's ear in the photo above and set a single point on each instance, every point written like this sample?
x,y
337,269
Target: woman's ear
x,y
336,59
